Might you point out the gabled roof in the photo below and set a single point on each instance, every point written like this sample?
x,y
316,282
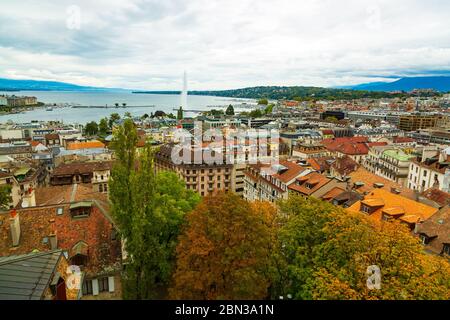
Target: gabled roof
x,y
442,198
37,224
27,277
333,193
348,145
370,180
314,179
81,168
438,228
345,165
293,170
382,200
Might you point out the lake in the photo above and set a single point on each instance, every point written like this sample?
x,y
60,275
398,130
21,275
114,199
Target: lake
x,y
137,105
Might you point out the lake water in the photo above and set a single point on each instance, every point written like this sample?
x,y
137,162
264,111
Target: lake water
x,y
137,105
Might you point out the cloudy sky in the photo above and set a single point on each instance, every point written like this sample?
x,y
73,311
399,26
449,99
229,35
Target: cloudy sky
x,y
222,44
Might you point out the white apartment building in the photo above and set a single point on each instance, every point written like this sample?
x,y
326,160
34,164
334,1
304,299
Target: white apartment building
x,y
389,162
270,183
431,170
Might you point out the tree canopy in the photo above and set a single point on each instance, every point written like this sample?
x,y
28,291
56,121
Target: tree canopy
x,y
323,252
224,250
91,128
230,110
148,209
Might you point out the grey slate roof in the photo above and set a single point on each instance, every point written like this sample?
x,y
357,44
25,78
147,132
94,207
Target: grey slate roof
x,y
26,277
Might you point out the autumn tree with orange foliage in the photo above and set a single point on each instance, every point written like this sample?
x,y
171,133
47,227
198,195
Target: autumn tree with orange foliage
x,y
224,251
324,252
356,242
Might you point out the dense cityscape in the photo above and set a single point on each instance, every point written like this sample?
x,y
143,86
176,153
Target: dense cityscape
x,y
239,159
74,195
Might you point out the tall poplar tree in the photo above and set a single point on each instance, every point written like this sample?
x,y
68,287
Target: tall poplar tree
x,y
148,209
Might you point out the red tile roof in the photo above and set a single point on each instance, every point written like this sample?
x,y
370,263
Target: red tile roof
x,y
345,165
37,223
403,140
348,145
440,197
293,170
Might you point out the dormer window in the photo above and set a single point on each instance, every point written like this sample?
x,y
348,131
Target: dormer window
x,y
81,209
424,239
446,249
366,209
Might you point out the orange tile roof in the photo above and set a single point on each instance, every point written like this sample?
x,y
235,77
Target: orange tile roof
x,y
85,145
387,201
394,211
369,179
35,143
318,181
373,202
293,170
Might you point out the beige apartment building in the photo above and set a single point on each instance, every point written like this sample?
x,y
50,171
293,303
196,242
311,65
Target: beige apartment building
x,y
414,122
205,179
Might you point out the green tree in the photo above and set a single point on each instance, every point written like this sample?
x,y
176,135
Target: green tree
x,y
127,115
113,118
263,101
355,242
302,223
256,113
91,128
180,113
5,196
323,252
159,114
269,109
230,111
148,209
103,127
331,119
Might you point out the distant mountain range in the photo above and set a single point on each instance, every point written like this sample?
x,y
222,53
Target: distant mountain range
x,y
38,85
441,84
367,90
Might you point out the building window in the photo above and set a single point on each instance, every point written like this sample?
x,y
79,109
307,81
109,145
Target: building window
x,y
446,249
100,187
103,285
87,287
80,212
59,211
105,187
425,173
366,209
424,239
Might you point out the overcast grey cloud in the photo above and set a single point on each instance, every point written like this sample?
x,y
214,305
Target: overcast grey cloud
x,y
147,44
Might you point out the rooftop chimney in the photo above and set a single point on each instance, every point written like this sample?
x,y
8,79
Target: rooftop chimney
x,y
15,227
29,199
